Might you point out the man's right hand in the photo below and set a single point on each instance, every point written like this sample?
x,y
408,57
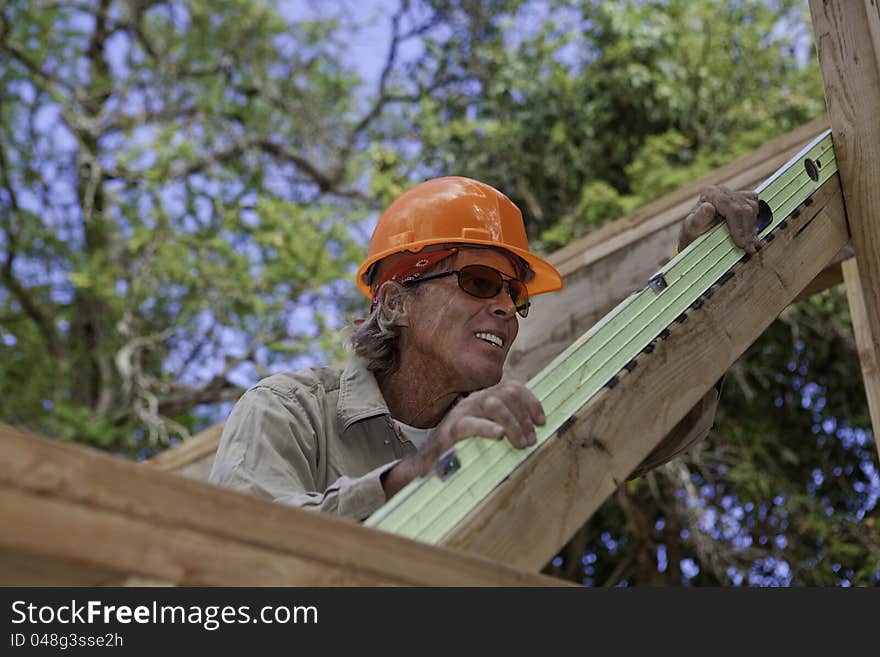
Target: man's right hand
x,y
507,409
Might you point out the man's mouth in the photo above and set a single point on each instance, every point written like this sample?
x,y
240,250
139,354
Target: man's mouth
x,y
491,338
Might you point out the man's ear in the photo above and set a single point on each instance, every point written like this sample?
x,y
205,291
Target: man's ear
x,y
394,299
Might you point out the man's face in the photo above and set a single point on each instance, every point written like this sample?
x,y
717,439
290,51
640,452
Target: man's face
x,y
453,336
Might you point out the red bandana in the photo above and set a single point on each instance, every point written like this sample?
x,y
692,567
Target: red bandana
x,y
407,268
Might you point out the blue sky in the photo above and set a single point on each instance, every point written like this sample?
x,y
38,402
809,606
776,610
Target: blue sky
x,y
366,48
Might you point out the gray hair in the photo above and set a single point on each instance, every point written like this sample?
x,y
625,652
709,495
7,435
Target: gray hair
x,y
376,341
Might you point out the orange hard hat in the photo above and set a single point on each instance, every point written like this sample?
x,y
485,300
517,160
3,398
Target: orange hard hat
x,y
455,210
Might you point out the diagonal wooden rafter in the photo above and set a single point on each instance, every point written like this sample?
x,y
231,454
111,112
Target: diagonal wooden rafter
x,y
847,36
525,520
76,516
430,507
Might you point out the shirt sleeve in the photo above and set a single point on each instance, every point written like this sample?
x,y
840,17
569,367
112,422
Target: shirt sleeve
x,y
691,429
269,448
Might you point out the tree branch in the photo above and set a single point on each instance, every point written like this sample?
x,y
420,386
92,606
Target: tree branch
x,y
28,304
383,97
326,183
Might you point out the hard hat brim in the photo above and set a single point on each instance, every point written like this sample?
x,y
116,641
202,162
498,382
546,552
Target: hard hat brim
x,y
546,278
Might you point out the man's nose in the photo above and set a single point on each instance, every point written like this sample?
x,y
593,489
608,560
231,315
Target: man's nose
x,y
502,304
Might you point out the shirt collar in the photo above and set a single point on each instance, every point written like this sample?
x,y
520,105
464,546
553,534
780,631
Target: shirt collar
x,y
359,394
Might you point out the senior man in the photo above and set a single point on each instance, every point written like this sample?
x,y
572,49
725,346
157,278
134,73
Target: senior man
x,y
448,272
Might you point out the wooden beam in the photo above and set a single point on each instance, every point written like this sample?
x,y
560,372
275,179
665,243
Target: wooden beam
x,y
525,520
77,516
670,209
867,355
847,36
604,267
829,277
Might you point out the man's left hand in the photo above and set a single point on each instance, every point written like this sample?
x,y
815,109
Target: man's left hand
x,y
739,210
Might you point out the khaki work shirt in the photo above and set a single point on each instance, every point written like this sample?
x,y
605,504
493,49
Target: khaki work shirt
x,y
318,438
321,438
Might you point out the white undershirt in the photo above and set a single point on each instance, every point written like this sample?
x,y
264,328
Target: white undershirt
x,y
416,436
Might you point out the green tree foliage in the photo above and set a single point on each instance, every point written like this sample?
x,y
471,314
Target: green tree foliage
x,y
158,197
179,185
641,96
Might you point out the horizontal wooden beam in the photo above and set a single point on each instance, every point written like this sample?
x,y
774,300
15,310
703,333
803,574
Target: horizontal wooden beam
x,y
76,516
525,520
193,457
670,209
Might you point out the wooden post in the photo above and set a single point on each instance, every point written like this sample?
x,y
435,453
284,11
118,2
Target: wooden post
x,y
861,329
848,42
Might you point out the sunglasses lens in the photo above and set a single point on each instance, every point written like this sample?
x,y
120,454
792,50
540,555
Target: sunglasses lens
x,y
481,282
520,297
485,283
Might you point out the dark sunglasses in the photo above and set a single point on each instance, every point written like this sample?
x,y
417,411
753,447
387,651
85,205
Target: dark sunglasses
x,y
485,283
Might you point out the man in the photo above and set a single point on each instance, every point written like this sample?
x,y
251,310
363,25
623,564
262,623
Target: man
x,y
448,273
